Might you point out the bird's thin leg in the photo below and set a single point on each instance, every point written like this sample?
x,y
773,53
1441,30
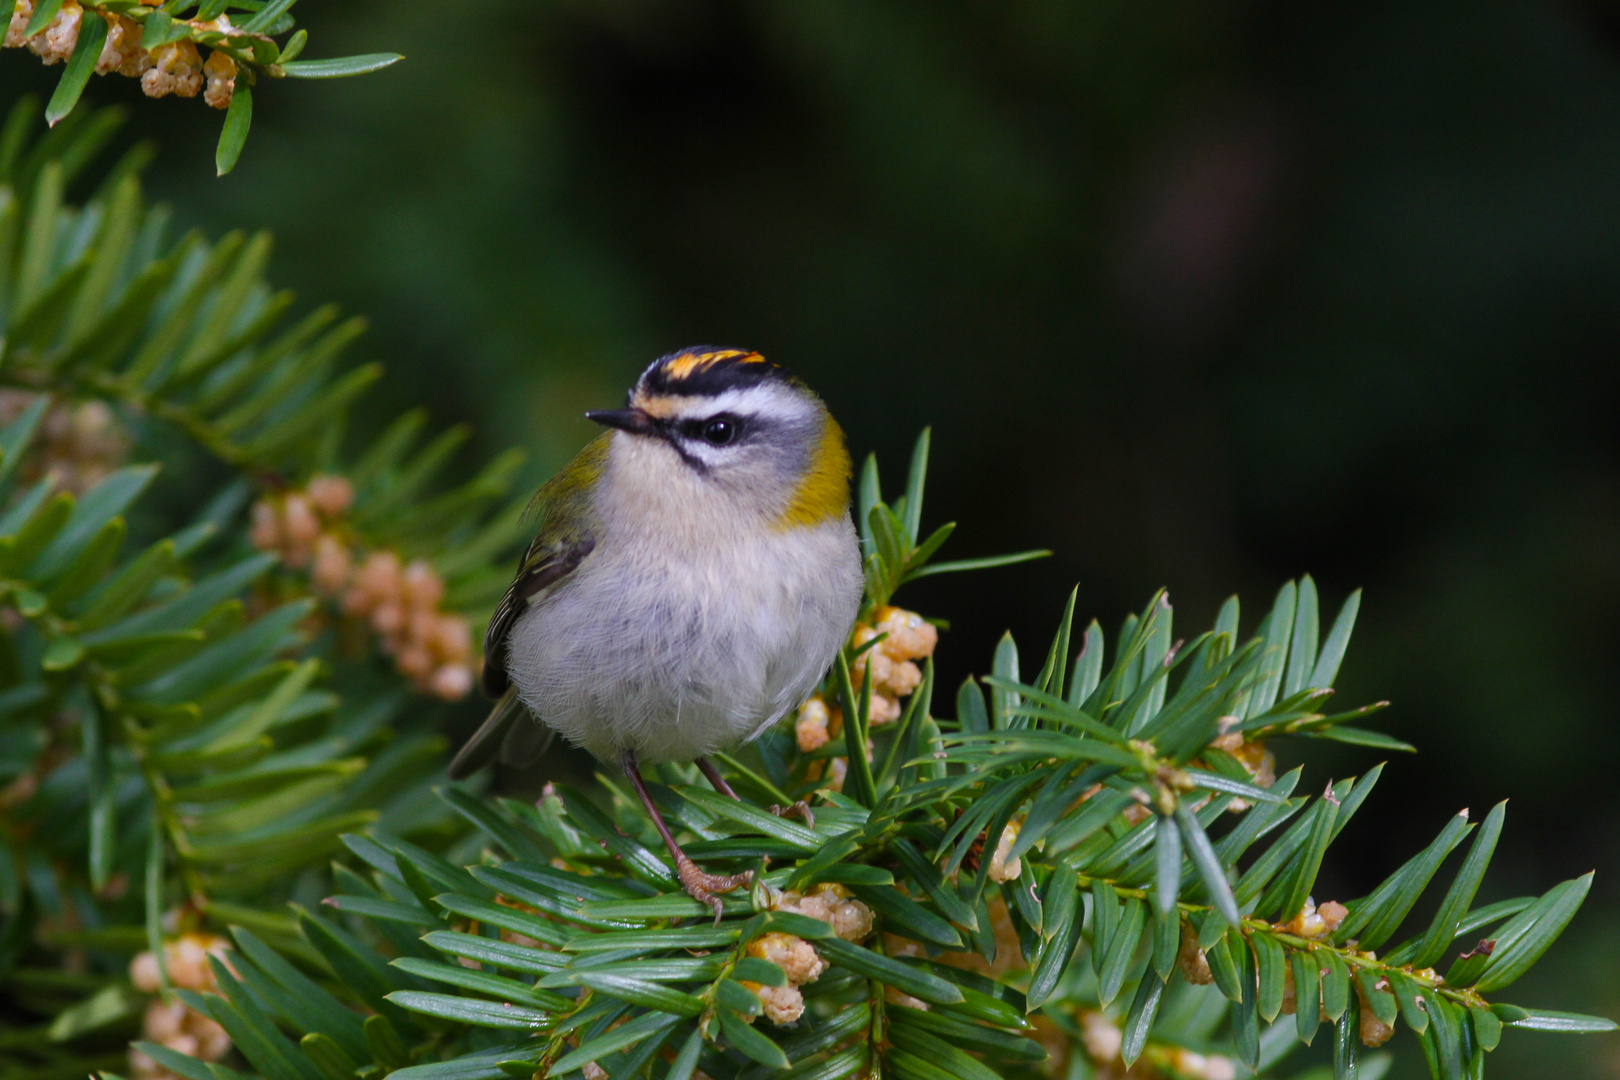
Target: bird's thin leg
x,y
719,782
699,885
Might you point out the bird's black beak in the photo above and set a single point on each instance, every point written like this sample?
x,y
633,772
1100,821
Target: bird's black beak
x,y
634,421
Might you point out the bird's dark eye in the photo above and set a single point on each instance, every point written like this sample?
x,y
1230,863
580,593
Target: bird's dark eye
x,y
720,431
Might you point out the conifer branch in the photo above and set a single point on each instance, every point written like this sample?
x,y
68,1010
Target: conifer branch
x,y
1060,870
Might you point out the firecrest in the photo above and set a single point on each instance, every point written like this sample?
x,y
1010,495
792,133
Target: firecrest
x,y
694,575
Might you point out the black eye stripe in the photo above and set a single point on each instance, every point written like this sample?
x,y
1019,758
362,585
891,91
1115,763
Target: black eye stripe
x,y
721,430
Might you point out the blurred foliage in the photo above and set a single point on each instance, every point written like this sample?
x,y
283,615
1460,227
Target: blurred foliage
x,y
187,729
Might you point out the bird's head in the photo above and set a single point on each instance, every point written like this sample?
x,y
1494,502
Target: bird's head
x,y
733,419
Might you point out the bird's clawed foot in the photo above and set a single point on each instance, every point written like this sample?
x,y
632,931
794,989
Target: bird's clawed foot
x,y
699,885
703,887
801,808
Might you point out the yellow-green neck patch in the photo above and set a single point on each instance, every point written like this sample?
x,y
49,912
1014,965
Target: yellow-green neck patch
x,y
823,491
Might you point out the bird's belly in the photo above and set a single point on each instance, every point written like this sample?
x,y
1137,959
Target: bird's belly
x,y
674,658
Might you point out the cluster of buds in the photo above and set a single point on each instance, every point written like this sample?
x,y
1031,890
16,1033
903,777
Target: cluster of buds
x,y
1002,866
798,961
55,43
1191,960
1102,1040
814,728
1312,922
175,68
172,1023
892,664
831,904
79,443
850,919
1195,1066
1316,922
298,523
431,647
122,51
1373,1031
1260,763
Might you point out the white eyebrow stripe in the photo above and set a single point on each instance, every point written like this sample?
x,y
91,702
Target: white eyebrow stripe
x,y
764,400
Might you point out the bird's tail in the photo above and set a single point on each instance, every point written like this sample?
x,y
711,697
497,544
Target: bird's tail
x,y
508,733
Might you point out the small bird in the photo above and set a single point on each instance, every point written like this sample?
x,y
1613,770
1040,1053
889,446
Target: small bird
x,y
694,575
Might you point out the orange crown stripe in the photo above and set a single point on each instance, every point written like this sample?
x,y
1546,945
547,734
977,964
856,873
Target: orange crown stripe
x,y
688,364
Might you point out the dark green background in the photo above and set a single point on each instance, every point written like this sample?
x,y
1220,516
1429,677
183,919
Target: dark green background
x,y
1201,296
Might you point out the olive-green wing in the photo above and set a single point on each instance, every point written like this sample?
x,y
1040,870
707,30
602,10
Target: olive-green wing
x,y
543,565
508,732
567,534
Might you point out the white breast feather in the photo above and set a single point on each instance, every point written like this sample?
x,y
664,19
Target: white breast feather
x,y
683,633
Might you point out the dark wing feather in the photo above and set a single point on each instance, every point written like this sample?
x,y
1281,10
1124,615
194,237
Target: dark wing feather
x,y
566,536
485,744
546,562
